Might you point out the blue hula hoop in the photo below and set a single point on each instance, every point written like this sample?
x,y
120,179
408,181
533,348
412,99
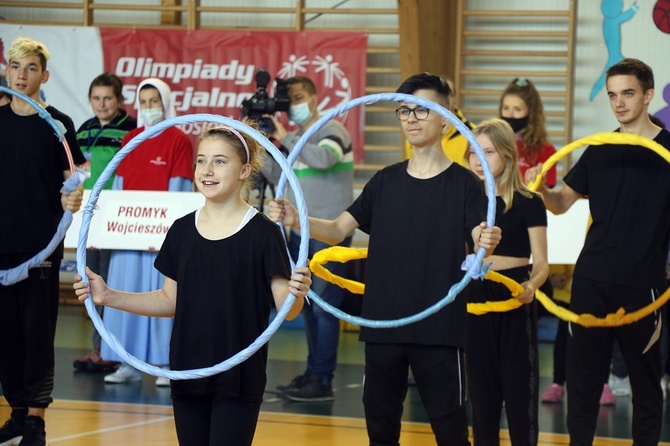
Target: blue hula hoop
x,y
472,263
20,272
243,355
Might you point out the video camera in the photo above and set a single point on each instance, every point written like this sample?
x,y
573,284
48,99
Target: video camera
x,y
261,104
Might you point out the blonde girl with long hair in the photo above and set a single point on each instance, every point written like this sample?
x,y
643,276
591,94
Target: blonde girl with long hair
x,y
502,365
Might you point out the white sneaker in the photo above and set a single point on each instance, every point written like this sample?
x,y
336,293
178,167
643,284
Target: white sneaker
x,y
619,386
125,374
162,382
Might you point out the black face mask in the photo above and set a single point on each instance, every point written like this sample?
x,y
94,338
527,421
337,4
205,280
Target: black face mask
x,y
517,124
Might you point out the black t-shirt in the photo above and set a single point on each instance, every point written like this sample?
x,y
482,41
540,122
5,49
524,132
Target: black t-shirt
x,y
525,213
418,230
32,161
629,198
223,302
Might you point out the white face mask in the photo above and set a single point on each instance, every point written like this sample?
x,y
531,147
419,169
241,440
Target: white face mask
x,y
152,116
300,114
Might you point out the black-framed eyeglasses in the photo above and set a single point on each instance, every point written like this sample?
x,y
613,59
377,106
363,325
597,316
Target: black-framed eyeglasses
x,y
420,113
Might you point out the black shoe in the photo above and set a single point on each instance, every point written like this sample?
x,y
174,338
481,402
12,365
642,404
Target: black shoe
x,y
93,363
12,431
312,390
296,382
34,433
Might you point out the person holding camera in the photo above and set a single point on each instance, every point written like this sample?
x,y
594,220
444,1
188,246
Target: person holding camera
x,y
325,169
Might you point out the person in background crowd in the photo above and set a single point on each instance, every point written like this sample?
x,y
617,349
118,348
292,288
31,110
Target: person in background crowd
x,y
100,139
325,170
521,106
161,163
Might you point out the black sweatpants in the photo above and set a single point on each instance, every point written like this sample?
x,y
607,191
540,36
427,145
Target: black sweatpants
x,y
502,366
560,346
439,373
589,354
28,316
214,420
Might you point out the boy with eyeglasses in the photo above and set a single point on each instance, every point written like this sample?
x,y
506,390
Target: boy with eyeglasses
x,y
418,214
454,143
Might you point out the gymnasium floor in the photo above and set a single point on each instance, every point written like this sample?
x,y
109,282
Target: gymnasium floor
x,y
89,412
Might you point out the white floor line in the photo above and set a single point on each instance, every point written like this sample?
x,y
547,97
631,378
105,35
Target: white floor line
x,y
110,429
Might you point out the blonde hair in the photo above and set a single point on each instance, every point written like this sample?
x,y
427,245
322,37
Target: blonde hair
x,y
502,136
256,151
23,47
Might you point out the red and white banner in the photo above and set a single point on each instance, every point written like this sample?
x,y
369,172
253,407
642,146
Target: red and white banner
x,y
208,71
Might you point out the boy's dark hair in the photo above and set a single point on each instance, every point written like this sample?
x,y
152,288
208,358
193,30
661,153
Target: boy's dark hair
x,y
306,83
108,79
427,81
635,67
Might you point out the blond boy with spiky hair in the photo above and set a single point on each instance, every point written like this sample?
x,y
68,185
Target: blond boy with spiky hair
x,y
33,166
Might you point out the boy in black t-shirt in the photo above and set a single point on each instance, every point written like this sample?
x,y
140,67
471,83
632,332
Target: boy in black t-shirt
x,y
418,214
33,165
623,259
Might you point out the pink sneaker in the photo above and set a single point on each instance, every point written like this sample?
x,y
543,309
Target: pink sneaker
x,y
553,394
607,398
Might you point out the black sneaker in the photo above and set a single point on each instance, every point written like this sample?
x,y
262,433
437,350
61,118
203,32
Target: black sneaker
x,y
294,384
12,431
312,390
34,433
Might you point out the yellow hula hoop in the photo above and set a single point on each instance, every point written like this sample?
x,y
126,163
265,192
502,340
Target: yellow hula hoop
x,y
618,318
340,254
597,140
343,254
587,320
512,304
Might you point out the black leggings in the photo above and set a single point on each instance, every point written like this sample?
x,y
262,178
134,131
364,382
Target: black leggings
x,y
214,420
502,365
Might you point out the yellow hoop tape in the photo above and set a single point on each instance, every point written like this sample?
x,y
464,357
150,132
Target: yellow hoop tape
x,y
597,140
587,320
498,306
343,254
340,254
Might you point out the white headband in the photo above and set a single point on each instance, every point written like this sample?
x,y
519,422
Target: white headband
x,y
234,132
